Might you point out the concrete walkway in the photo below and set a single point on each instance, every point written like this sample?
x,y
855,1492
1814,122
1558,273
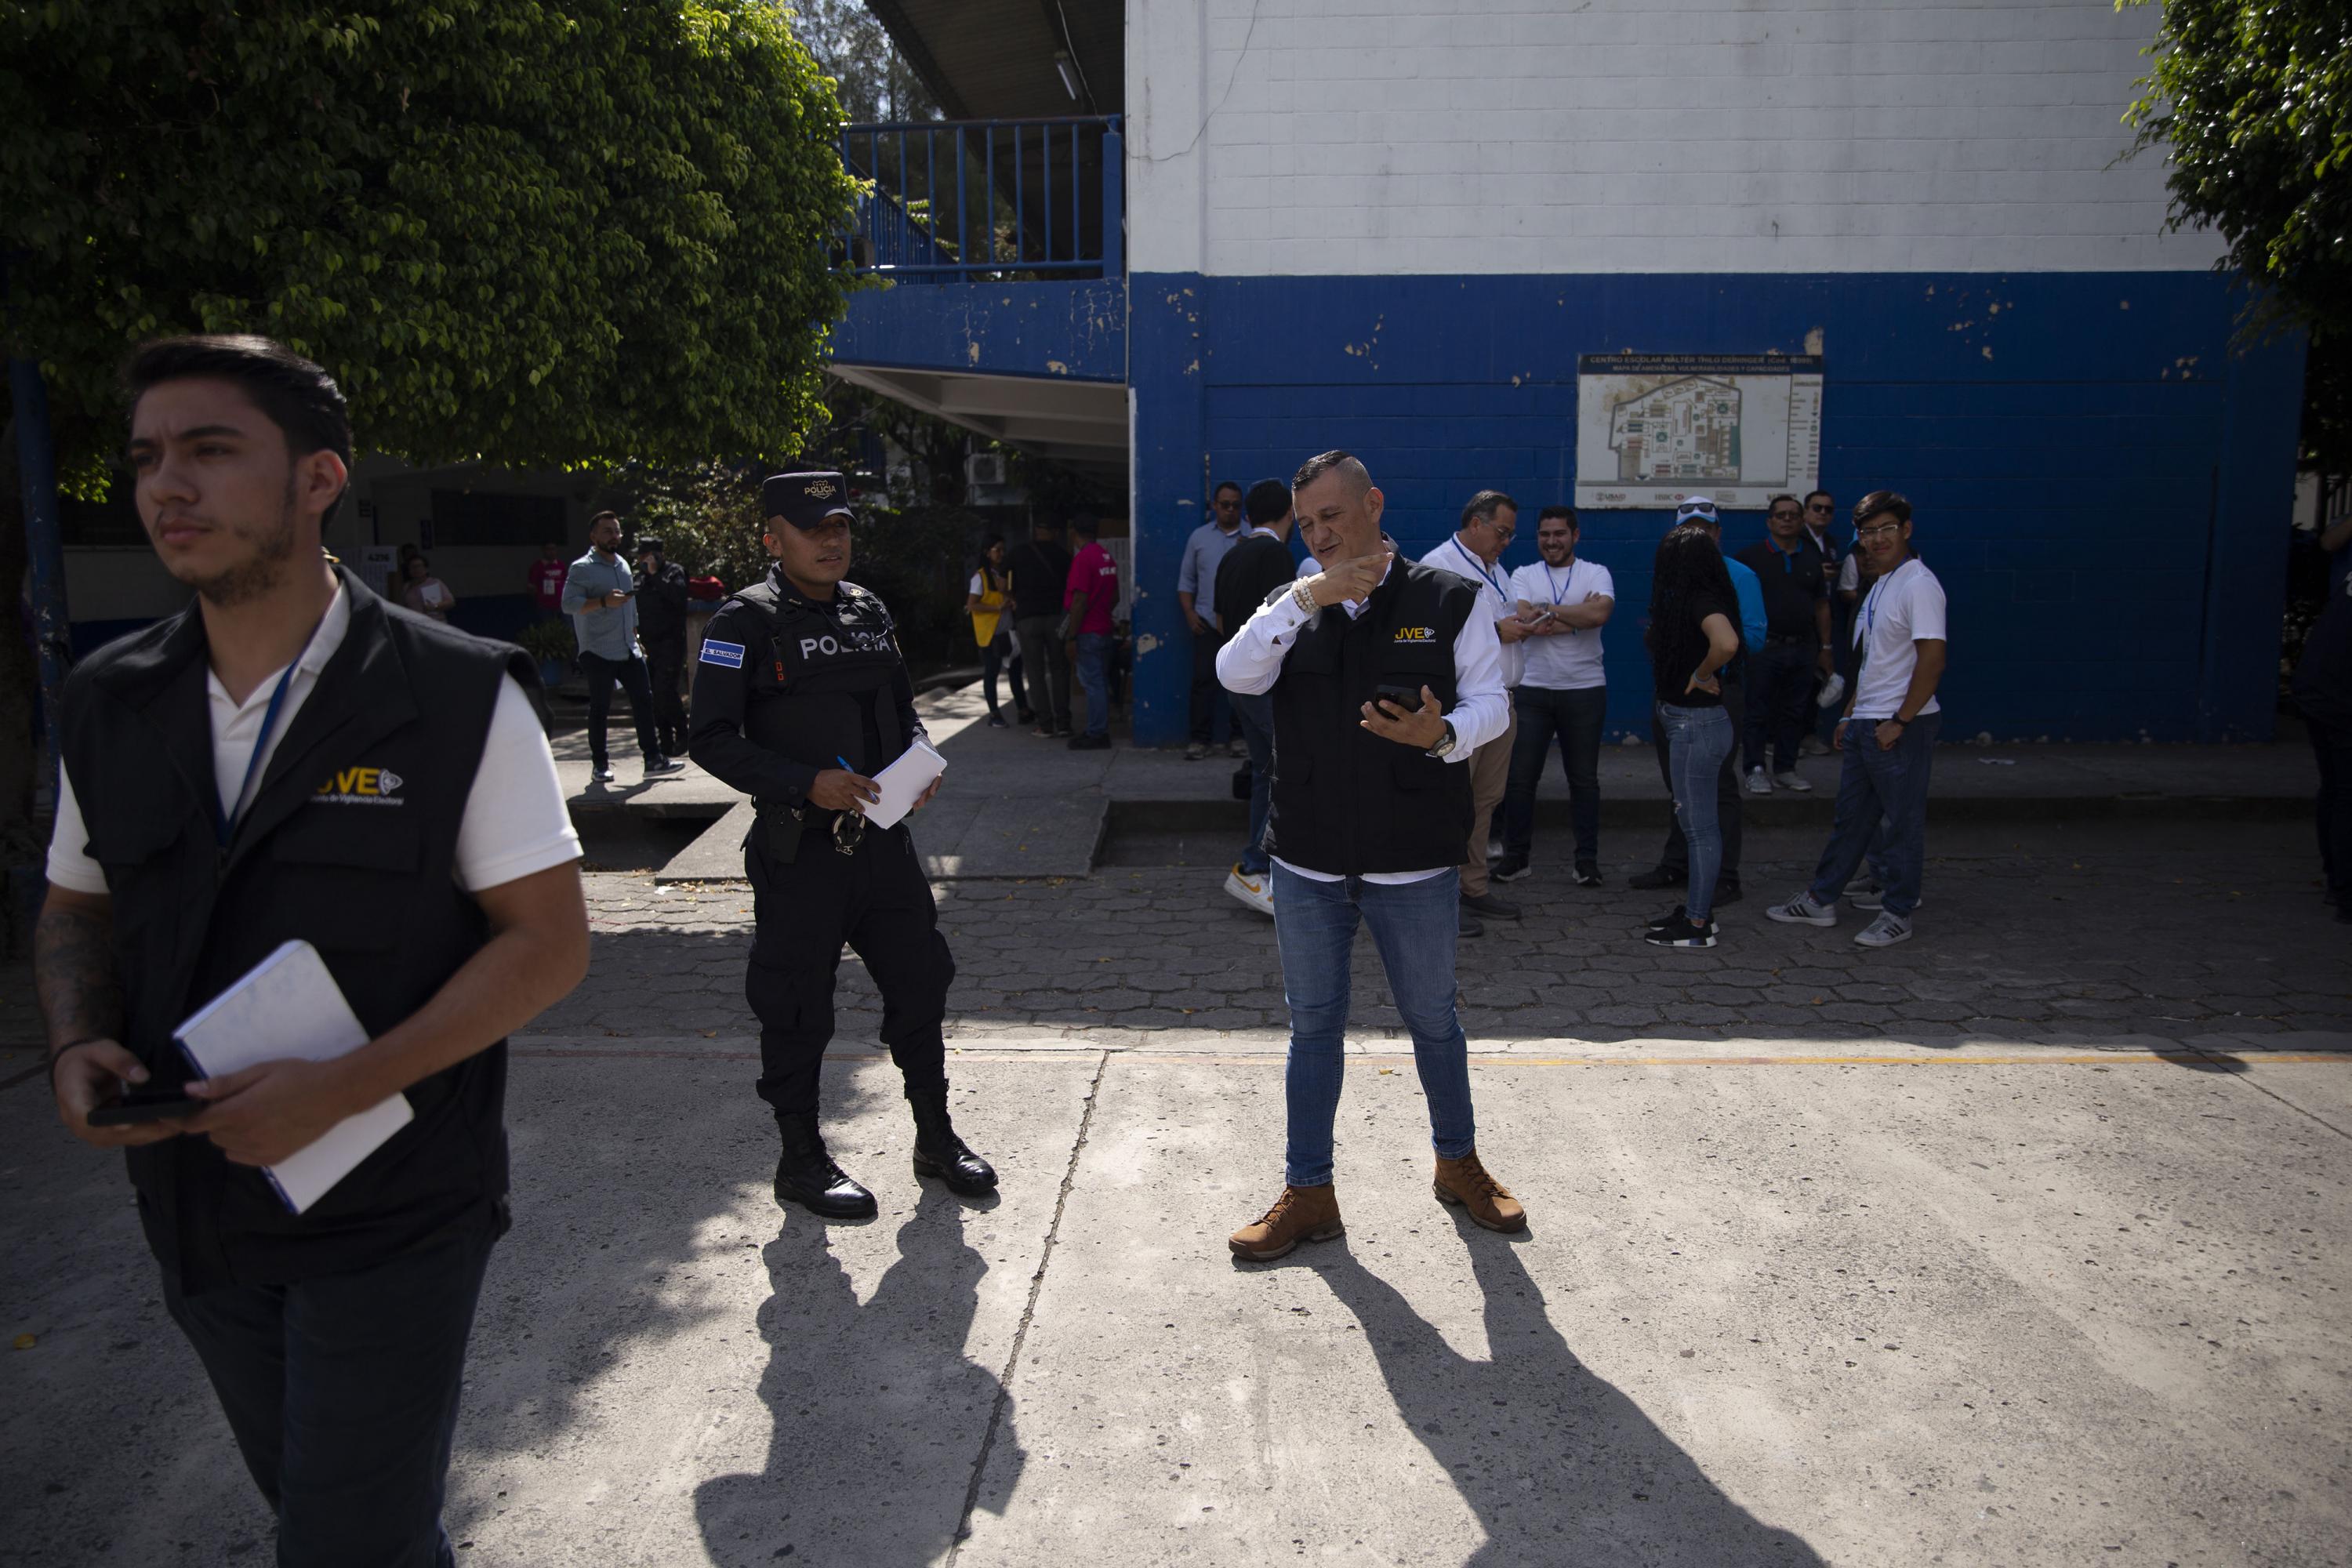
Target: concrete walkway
x,y
1779,1305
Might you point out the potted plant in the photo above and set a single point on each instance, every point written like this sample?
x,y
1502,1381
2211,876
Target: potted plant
x,y
549,642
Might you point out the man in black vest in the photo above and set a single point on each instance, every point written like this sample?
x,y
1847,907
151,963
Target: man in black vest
x,y
800,698
1385,679
292,757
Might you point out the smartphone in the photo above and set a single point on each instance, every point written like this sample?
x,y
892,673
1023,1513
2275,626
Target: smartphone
x,y
133,1106
1405,696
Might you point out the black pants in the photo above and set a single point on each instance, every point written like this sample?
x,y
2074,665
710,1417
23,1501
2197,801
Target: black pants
x,y
1213,716
1675,856
2333,746
1048,668
602,673
665,671
342,1396
993,659
1575,717
1781,688
880,903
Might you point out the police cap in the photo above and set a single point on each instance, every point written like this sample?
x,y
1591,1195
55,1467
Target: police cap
x,y
804,501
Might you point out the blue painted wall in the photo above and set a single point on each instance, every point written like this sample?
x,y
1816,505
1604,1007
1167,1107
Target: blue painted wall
x,y
1073,330
2102,485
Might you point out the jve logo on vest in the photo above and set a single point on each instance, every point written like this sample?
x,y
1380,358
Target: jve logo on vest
x,y
363,786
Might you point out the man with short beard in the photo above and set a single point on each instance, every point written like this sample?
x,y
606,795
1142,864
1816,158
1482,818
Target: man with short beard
x,y
291,758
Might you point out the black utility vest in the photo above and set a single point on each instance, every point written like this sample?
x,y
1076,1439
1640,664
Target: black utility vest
x,y
349,843
1345,801
822,690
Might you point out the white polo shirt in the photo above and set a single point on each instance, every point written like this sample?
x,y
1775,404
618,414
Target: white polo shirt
x,y
515,823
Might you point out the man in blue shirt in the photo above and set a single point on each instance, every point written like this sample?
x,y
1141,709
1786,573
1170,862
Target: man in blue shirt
x,y
1673,868
1196,581
600,595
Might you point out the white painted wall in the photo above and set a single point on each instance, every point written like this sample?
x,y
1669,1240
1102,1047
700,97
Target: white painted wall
x,y
1291,137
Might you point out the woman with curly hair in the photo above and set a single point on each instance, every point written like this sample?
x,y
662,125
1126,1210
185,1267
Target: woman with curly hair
x,y
1694,632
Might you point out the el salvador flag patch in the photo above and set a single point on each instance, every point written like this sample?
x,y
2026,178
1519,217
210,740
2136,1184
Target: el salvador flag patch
x,y
728,654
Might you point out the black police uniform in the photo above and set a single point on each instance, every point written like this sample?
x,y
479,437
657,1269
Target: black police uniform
x,y
787,687
349,843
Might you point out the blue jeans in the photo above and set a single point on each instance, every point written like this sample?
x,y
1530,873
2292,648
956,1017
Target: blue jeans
x,y
1698,741
1576,718
1415,926
1094,674
1253,716
342,1394
1875,785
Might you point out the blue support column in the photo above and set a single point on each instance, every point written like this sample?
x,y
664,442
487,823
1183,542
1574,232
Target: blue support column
x,y
1167,376
44,548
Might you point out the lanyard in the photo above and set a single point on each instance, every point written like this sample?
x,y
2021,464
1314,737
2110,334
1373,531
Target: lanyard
x,y
1484,575
1557,590
225,821
1870,602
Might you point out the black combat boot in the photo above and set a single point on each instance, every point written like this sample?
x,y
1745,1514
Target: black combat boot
x,y
939,1152
807,1175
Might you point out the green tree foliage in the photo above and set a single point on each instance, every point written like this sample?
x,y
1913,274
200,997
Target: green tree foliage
x,y
538,234
874,80
2252,102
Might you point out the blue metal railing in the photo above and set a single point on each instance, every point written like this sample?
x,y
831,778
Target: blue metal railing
x,y
989,200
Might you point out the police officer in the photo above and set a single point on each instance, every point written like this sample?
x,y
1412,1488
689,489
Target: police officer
x,y
800,698
291,756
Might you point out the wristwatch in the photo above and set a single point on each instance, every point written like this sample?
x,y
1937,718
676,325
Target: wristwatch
x,y
1445,747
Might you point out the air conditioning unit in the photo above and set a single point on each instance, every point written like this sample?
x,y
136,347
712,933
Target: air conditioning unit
x,y
983,469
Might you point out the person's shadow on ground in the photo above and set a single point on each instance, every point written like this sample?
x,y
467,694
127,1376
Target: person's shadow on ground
x,y
1558,1466
878,1413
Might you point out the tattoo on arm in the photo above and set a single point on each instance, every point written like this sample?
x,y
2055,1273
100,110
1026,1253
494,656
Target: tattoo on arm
x,y
73,972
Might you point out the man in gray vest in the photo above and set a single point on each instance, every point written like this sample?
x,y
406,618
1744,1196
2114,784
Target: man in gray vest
x,y
1385,678
800,698
292,757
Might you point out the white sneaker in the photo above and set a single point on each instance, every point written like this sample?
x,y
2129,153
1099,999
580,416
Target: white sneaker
x,y
1256,891
1884,931
1871,896
1793,780
1759,781
1802,910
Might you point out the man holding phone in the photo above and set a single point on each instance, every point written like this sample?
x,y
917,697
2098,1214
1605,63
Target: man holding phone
x,y
1371,805
600,595
292,757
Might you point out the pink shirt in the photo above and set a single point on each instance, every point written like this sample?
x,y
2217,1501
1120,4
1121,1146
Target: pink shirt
x,y
1095,575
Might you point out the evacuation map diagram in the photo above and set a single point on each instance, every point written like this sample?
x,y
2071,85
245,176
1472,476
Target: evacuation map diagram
x,y
1652,429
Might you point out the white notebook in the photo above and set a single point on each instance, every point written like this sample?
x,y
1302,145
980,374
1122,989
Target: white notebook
x,y
902,784
289,1006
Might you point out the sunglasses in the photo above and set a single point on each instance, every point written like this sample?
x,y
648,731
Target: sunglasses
x,y
1821,506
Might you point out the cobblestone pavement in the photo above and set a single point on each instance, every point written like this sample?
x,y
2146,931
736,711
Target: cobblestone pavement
x,y
2098,934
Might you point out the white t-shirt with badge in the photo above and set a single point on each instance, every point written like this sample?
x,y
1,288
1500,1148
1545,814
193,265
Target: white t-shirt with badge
x,y
1903,608
515,822
1570,660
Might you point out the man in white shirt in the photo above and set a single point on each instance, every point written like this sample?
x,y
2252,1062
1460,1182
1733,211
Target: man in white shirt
x,y
1385,676
1889,733
1562,690
1196,596
291,758
1489,522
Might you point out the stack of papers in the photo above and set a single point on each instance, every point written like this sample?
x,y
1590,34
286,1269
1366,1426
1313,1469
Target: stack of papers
x,y
289,1006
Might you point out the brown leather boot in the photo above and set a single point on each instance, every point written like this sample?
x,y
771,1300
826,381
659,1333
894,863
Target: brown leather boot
x,y
1300,1213
1464,1183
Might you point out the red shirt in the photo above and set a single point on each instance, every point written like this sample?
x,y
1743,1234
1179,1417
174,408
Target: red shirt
x,y
547,583
1095,575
